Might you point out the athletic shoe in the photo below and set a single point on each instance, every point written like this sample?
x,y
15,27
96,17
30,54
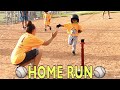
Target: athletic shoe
x,y
50,28
73,52
24,28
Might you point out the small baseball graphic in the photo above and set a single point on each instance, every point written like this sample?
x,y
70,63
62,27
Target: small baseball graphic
x,y
21,72
99,72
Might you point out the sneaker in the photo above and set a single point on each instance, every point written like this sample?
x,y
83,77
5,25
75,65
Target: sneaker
x,y
73,52
50,28
24,28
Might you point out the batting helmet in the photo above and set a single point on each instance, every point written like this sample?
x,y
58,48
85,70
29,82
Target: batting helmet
x,y
75,16
45,11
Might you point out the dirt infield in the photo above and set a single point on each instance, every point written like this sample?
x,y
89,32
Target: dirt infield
x,y
102,45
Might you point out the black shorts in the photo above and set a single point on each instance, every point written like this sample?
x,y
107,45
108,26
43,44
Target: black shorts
x,y
29,56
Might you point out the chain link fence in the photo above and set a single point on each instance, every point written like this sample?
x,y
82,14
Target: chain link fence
x,y
13,17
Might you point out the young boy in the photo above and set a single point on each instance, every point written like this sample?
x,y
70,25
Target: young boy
x,y
47,19
73,29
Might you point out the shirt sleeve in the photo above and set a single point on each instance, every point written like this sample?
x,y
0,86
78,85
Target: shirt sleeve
x,y
35,42
66,25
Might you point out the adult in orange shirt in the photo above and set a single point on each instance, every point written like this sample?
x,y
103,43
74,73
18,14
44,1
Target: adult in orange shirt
x,y
47,19
27,49
73,29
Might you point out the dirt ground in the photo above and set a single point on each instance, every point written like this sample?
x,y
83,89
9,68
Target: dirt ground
x,y
102,45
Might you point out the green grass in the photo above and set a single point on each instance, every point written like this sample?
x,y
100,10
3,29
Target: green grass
x,y
81,13
62,15
87,12
114,11
2,16
39,14
78,12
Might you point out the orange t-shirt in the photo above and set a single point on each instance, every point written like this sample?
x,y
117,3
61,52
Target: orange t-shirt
x,y
47,18
72,28
26,43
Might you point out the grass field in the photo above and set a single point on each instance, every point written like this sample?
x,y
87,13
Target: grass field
x,y
63,14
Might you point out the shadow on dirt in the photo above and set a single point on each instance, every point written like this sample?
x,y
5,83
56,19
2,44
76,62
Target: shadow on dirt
x,y
109,58
6,51
60,55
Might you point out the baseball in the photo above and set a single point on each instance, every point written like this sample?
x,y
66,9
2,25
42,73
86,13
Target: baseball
x,y
21,72
99,72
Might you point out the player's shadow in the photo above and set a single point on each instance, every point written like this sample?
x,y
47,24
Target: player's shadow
x,y
95,57
60,55
6,52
